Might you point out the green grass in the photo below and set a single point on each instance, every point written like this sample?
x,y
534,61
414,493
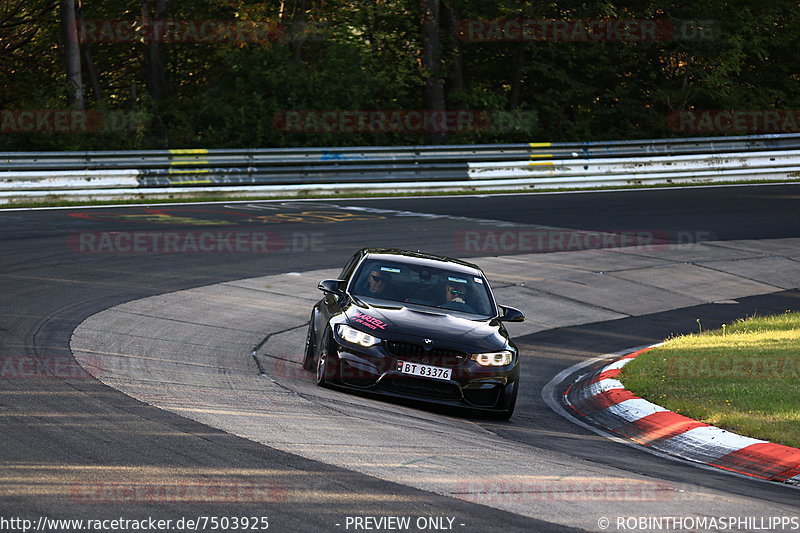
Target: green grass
x,y
744,377
213,197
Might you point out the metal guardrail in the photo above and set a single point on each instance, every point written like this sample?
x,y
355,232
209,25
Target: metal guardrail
x,y
160,159
292,170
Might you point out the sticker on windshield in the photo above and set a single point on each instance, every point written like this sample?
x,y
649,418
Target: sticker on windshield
x,y
390,269
456,280
478,280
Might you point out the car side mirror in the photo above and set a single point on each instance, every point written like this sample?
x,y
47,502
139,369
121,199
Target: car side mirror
x,y
333,286
511,314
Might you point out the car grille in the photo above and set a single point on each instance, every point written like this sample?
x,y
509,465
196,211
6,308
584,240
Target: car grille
x,y
417,353
424,388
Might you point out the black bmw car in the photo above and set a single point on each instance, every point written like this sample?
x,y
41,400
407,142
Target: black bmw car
x,y
416,326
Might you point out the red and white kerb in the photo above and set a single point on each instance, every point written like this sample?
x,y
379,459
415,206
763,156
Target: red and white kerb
x,y
601,397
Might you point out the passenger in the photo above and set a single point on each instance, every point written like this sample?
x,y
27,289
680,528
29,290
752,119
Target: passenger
x,y
455,295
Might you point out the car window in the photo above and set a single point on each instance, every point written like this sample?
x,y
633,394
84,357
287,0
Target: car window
x,y
425,286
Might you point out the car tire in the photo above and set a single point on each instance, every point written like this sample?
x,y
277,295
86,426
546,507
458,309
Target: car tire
x,y
327,364
308,357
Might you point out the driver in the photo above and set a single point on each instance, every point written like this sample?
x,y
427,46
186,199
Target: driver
x,y
455,298
379,284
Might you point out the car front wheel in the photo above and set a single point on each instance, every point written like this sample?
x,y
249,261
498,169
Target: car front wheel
x,y
327,363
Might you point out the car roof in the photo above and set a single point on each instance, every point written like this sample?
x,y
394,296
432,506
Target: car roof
x,y
422,258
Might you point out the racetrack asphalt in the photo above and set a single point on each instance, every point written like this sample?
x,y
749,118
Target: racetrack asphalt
x,y
70,442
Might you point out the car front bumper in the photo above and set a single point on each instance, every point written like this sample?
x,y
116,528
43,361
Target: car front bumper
x,y
471,385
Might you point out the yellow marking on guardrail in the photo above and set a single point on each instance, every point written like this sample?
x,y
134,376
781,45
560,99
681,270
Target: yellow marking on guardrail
x,y
540,145
189,151
193,171
188,162
534,163
541,155
188,156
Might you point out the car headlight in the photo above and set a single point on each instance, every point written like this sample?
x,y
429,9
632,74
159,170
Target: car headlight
x,y
352,335
493,358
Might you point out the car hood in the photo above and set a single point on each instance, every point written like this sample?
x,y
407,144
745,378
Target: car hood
x,y
413,324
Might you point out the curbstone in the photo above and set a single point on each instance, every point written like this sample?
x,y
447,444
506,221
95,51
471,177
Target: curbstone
x,y
600,397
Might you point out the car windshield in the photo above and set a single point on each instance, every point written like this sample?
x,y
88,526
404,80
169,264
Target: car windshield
x,y
423,285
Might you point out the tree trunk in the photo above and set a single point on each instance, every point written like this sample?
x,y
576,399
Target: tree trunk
x,y
159,84
86,55
72,55
432,67
451,21
297,28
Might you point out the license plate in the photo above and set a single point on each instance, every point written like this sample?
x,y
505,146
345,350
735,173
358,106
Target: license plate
x,y
425,371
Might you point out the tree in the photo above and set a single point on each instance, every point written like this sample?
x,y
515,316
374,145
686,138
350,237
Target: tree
x,y
72,52
154,18
431,55
390,55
